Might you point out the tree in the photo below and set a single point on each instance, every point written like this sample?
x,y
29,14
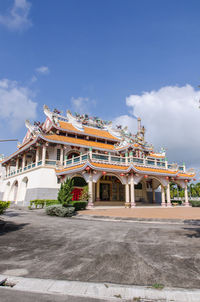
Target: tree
x,y
65,192
84,194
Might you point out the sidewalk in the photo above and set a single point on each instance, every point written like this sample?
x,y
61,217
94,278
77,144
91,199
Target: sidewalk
x,y
181,213
106,291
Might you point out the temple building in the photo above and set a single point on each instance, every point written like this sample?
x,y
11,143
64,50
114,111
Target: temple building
x,y
120,168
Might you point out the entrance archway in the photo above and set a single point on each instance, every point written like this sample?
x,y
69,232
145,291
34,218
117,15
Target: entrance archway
x,y
79,184
7,191
23,188
148,191
13,191
110,189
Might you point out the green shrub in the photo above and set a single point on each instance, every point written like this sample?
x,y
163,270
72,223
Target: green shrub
x,y
59,210
3,206
79,205
195,203
49,202
65,192
177,201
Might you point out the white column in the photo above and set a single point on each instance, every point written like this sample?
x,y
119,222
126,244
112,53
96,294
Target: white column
x,y
23,161
90,191
37,155
186,197
61,155
168,196
109,157
98,190
44,148
127,194
132,192
163,196
17,165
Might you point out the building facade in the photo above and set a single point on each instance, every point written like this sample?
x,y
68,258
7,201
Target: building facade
x,y
119,167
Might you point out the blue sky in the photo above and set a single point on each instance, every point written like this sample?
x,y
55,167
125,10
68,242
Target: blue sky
x,y
100,52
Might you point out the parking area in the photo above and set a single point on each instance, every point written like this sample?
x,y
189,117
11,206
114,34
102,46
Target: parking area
x,y
125,252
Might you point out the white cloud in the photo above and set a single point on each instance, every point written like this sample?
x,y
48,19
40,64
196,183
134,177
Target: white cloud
x,y
43,70
82,105
17,17
172,119
16,104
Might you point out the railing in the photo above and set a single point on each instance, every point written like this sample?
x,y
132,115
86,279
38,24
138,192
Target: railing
x,y
31,166
106,159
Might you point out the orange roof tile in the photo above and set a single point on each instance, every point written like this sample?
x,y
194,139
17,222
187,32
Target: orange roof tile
x,y
155,170
68,126
98,132
77,141
70,168
108,166
156,155
186,175
87,130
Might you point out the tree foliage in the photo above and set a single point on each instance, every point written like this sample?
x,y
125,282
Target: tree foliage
x,y
65,192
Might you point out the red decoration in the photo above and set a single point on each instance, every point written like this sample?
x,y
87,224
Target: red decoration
x,y
167,177
122,174
87,168
186,180
145,176
76,193
104,173
194,179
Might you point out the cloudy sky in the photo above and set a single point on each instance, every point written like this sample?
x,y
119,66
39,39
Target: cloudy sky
x,y
114,59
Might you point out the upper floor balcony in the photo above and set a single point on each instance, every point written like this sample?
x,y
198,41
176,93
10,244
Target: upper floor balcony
x,y
100,158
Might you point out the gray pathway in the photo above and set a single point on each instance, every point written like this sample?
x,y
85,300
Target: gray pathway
x,y
38,246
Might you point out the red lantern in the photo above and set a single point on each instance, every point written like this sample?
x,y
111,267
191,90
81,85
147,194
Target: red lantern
x,y
186,180
194,179
104,173
167,177
122,174
145,176
87,168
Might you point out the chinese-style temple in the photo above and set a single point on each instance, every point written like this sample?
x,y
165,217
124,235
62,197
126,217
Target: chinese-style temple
x,y
119,167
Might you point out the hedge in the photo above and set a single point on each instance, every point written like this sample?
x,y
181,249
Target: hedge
x,y
176,201
40,203
3,206
79,205
195,203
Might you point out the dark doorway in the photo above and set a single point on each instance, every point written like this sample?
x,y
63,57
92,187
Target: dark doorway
x,y
104,191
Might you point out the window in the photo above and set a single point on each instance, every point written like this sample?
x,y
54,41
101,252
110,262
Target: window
x,y
58,154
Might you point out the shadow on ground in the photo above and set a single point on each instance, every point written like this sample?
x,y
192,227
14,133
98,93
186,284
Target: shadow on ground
x,y
8,226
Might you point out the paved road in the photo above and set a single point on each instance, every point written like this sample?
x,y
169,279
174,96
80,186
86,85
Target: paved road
x,y
35,245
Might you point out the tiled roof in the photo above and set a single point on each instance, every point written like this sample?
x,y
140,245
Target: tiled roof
x,y
79,142
155,170
186,175
156,155
108,166
87,130
70,168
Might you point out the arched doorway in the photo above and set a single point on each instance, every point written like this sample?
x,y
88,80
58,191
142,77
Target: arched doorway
x,y
13,192
79,184
110,189
148,191
72,154
7,191
23,188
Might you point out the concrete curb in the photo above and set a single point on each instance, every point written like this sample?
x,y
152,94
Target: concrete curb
x,y
105,291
